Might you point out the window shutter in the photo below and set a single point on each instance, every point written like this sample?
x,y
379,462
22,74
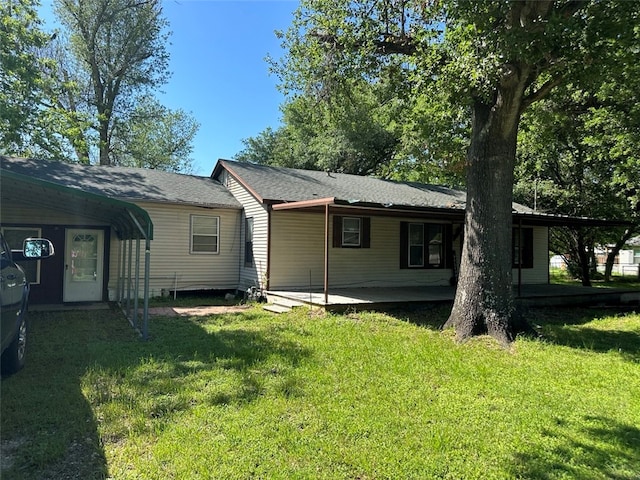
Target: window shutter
x,y
447,244
337,231
404,245
366,232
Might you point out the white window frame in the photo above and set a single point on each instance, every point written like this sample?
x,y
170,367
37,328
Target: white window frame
x,y
352,231
19,247
193,234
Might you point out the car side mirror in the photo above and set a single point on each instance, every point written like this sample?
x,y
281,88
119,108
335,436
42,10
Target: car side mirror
x,y
37,248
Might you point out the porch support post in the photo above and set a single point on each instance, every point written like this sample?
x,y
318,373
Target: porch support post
x,y
123,246
147,257
147,261
130,261
119,273
326,254
136,287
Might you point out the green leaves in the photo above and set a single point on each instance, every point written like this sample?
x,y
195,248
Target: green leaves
x,y
20,73
153,136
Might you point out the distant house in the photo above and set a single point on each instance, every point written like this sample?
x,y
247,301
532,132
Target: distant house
x,y
627,262
246,225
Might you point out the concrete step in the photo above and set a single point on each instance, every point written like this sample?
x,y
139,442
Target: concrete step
x,y
275,308
286,302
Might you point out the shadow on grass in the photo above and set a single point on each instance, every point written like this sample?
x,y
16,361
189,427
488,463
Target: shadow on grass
x,y
597,448
568,327
78,361
432,317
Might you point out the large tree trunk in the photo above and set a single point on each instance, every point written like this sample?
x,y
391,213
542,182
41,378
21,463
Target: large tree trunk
x,y
484,296
584,259
104,142
613,253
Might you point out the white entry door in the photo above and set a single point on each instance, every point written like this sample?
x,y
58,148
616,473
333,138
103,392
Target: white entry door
x,y
83,264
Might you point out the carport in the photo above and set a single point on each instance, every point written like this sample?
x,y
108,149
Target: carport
x,y
131,224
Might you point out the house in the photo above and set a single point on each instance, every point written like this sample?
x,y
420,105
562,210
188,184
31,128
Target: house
x,y
118,229
311,230
627,262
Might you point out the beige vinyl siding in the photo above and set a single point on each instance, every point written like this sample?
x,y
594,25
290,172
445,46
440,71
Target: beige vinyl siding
x,y
297,250
172,266
539,274
256,274
297,256
297,261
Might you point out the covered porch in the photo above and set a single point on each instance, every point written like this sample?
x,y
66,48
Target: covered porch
x,y
341,299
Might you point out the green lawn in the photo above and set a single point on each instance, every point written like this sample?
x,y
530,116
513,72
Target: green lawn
x,y
359,396
560,276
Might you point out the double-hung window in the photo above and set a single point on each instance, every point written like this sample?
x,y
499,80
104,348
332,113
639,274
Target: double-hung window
x,y
423,245
351,232
248,242
205,234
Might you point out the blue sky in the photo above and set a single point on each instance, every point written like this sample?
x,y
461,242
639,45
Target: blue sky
x,y
220,76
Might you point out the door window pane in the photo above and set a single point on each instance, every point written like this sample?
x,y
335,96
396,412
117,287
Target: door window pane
x,y
84,258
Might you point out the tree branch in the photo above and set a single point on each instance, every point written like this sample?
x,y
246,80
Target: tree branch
x,y
542,92
387,44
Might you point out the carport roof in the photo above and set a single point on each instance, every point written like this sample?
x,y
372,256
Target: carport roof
x,y
106,193
128,219
126,183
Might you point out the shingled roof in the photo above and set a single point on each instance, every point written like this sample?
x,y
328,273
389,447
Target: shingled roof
x,y
128,184
283,185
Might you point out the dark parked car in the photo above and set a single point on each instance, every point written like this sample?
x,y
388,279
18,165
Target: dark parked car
x,y
14,296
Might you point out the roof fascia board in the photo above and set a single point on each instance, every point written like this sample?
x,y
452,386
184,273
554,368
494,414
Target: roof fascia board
x,y
304,204
217,206
556,220
225,165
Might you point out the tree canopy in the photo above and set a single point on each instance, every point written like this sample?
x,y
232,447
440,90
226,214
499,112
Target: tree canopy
x,y
120,44
21,81
84,93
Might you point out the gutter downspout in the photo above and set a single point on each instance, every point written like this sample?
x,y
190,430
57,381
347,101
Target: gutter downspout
x,y
147,261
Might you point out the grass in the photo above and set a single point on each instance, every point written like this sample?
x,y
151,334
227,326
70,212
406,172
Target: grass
x,y
560,276
356,396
